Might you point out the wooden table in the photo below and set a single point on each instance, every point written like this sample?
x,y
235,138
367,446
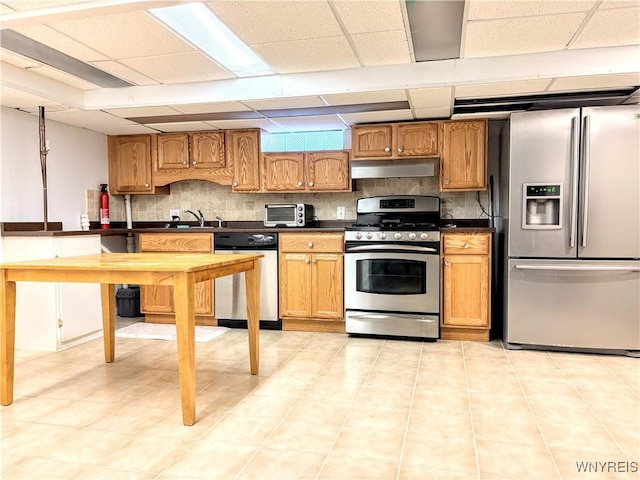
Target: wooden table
x,y
182,271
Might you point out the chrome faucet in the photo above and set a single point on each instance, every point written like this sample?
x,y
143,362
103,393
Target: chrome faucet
x,y
199,216
219,219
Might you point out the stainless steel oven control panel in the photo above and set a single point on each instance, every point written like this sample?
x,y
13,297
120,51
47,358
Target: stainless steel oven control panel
x,y
391,236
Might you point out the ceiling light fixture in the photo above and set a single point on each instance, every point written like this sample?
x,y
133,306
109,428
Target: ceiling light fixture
x,y
197,24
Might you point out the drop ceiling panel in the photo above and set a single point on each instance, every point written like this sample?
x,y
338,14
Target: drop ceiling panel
x,y
382,48
502,89
270,22
212,107
427,113
365,97
133,129
311,123
375,117
482,9
332,53
138,34
13,98
63,77
430,97
617,4
26,5
264,123
60,42
609,28
595,82
178,68
17,60
290,102
370,16
182,127
142,111
95,120
520,35
125,73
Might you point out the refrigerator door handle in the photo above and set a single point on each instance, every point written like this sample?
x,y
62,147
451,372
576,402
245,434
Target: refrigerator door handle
x,y
575,154
586,179
581,268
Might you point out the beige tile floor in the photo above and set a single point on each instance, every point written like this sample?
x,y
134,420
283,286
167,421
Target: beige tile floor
x,y
323,406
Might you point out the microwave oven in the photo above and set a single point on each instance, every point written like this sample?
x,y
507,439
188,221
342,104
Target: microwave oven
x,y
288,215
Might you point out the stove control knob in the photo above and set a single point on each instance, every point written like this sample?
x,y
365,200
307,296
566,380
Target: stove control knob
x,y
369,236
412,236
358,236
397,236
424,236
383,236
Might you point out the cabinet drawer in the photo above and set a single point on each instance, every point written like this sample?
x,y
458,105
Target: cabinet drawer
x,y
176,242
467,244
311,243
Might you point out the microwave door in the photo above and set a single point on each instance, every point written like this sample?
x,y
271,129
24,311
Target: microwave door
x,y
543,170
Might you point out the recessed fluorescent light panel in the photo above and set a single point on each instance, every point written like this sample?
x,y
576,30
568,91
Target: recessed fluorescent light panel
x,y
198,25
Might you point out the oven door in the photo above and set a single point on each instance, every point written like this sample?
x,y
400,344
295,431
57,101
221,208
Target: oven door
x,y
404,279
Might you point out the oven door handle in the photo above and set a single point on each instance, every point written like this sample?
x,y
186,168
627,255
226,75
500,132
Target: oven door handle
x,y
405,248
381,316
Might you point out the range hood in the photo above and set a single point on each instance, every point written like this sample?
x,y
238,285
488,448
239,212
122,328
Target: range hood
x,y
421,167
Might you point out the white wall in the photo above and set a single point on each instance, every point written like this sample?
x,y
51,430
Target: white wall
x,y
77,161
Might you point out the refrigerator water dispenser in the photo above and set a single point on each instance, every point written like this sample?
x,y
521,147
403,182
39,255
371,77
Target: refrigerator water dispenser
x,y
542,206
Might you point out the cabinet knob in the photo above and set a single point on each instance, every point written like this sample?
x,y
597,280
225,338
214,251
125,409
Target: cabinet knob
x,y
387,149
146,185
465,245
445,181
306,260
311,184
310,244
184,162
447,263
400,149
299,183
235,184
194,162
313,260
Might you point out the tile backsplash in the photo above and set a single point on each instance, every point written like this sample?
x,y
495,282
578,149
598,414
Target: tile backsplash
x,y
218,200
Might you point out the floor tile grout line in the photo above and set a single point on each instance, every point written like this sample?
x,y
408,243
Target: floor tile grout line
x,y
526,399
344,422
473,428
408,422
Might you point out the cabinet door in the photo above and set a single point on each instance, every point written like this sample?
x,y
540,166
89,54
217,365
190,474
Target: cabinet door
x,y
371,141
328,171
416,139
243,150
283,172
463,160
156,299
207,150
173,151
295,285
327,293
466,291
130,164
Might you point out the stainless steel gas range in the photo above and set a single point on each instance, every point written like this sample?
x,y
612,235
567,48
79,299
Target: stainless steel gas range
x,y
392,267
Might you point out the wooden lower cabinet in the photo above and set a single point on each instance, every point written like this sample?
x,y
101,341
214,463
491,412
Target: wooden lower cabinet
x,y
311,281
466,287
156,301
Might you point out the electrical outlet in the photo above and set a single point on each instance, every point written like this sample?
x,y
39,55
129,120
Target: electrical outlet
x,y
174,212
340,213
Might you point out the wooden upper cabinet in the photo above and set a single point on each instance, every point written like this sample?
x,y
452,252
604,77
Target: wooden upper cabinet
x,y
283,172
371,141
207,150
396,140
243,155
173,151
418,139
328,171
463,160
130,164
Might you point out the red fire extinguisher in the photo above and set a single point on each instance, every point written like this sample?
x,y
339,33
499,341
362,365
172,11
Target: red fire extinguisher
x,y
104,206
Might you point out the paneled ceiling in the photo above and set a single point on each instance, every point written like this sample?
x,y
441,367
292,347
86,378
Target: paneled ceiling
x,y
336,62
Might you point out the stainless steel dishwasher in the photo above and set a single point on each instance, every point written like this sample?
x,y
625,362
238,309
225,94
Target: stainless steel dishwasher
x,y
230,303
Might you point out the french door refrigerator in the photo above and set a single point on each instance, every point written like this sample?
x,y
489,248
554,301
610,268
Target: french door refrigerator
x,y
570,188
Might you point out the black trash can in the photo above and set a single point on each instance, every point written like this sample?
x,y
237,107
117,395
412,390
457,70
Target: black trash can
x,y
128,301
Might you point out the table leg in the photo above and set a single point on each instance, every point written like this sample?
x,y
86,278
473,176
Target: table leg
x,y
184,300
107,291
7,337
252,288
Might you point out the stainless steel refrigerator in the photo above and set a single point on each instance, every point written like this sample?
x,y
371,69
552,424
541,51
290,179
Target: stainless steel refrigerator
x,y
570,211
